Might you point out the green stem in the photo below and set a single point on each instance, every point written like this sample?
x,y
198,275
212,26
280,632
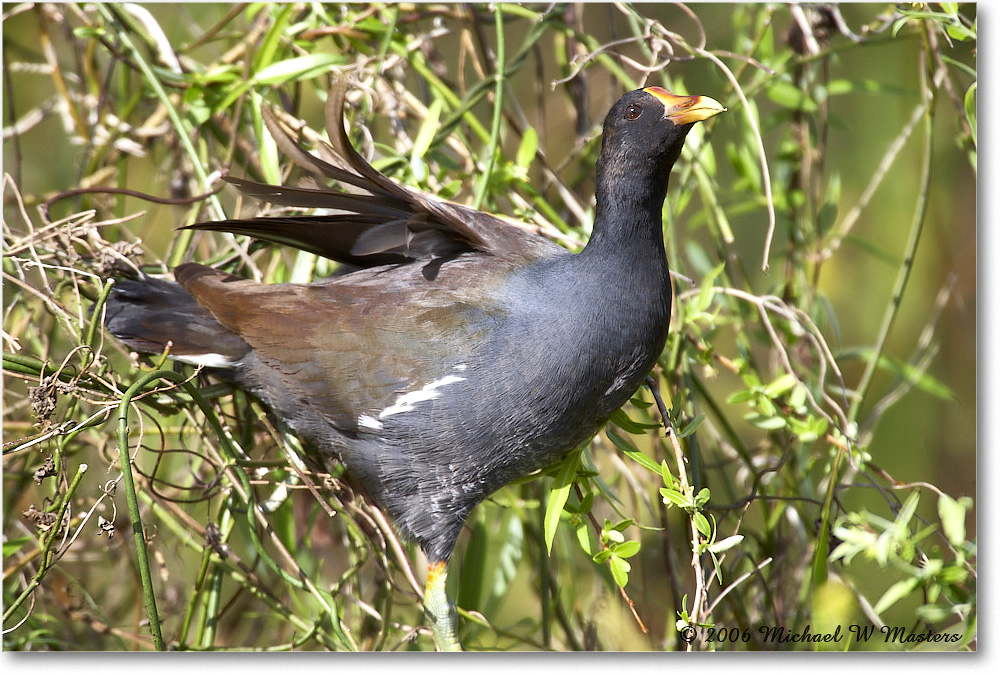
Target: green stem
x,y
498,80
138,534
387,40
211,612
903,277
193,601
48,539
183,133
93,331
892,311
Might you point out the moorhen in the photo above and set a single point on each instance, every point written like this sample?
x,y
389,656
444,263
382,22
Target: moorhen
x,y
462,351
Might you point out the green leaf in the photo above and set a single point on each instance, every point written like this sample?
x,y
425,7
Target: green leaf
x,y
528,148
952,514
766,422
619,570
898,590
957,31
937,613
970,109
691,427
268,47
910,373
837,87
675,497
702,524
450,189
270,164
233,92
621,419
473,569
747,165
797,397
612,536
282,521
909,508
702,498
668,477
620,526
510,553
809,429
197,110
766,407
698,259
558,496
12,546
788,95
781,385
741,396
221,74
630,451
583,537
624,444
707,292
299,68
898,25
627,549
726,544
427,129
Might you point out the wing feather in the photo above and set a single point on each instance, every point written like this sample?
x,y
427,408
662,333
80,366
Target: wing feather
x,y
389,224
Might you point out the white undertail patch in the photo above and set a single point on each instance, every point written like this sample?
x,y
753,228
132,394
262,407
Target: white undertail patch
x,y
206,360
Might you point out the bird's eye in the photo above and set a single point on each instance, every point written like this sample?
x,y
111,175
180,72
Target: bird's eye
x,y
632,112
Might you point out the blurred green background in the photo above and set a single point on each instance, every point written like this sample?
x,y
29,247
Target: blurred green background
x,y
852,98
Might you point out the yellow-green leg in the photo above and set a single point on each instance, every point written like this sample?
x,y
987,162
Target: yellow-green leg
x,y
439,609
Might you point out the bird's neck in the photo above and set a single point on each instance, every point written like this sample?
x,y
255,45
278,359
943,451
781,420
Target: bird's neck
x,y
628,222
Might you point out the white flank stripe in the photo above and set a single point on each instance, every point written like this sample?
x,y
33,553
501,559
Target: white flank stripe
x,y
407,401
369,422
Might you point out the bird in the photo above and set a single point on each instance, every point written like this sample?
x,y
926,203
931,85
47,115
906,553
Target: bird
x,y
458,351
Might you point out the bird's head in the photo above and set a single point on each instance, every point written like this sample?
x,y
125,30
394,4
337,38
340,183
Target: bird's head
x,y
649,126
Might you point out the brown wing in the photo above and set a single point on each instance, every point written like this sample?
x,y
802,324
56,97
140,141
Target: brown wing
x,y
388,225
344,347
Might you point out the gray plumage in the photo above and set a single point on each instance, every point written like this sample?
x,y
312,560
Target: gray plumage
x,y
465,352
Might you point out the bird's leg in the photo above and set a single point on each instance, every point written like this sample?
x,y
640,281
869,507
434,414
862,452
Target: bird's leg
x,y
439,609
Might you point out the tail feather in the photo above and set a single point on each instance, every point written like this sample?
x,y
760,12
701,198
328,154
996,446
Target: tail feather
x,y
146,314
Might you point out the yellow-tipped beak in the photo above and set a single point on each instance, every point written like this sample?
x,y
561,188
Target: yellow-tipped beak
x,y
685,109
